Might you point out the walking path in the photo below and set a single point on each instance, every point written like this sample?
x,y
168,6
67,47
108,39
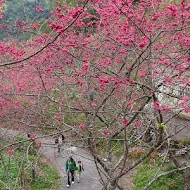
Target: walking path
x,y
89,179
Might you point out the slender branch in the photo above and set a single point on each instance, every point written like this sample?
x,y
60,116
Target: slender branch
x,y
164,174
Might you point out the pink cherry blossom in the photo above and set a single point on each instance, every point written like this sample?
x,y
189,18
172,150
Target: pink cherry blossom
x,y
184,101
186,110
85,67
130,103
81,126
138,124
48,161
142,44
106,132
32,136
39,8
93,104
11,151
124,122
38,144
142,73
157,105
58,117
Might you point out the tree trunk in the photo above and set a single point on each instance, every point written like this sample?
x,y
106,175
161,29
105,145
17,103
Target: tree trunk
x,y
112,185
186,179
23,179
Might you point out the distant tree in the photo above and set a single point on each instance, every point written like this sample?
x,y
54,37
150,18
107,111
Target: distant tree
x,y
20,14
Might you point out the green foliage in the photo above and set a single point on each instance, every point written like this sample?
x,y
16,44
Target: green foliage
x,y
53,108
50,179
172,1
118,147
101,146
71,3
99,123
161,125
22,10
146,172
11,167
74,119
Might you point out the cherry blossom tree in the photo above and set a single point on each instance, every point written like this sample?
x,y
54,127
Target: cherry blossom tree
x,y
115,73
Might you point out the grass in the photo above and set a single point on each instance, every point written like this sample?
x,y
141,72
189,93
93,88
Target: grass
x,y
12,165
117,148
50,179
146,172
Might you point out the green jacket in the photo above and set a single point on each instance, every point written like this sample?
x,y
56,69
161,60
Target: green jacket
x,y
70,165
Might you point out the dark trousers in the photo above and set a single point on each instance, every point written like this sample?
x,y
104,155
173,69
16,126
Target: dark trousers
x,y
70,174
59,148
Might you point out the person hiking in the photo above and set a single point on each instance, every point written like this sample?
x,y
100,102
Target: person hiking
x,y
79,170
59,141
70,169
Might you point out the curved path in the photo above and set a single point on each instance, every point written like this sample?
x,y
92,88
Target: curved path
x,y
90,179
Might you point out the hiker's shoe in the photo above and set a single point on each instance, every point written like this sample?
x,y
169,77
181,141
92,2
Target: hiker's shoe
x,y
73,182
68,186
